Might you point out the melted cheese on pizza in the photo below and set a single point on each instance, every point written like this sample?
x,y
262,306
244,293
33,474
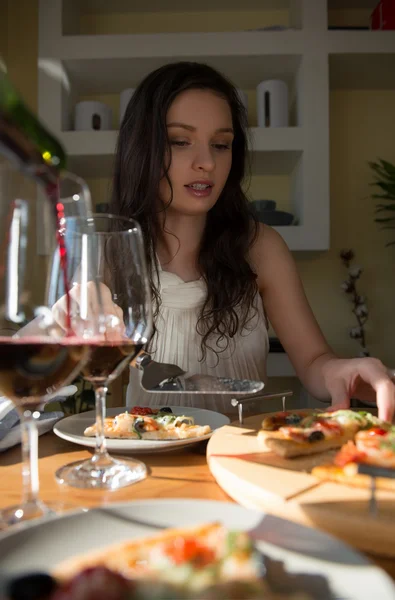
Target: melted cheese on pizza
x,y
159,426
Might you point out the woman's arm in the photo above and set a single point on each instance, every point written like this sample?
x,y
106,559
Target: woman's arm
x,y
288,310
323,374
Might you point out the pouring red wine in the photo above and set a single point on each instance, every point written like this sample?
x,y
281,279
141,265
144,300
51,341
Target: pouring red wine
x,y
37,357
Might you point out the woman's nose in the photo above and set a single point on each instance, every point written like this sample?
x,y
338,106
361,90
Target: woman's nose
x,y
204,159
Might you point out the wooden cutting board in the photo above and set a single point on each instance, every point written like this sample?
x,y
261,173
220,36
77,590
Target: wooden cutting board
x,y
259,479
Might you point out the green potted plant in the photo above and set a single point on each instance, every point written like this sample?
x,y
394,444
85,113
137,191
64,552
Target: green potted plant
x,y
385,182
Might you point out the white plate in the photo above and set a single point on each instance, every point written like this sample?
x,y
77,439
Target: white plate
x,y
318,556
72,429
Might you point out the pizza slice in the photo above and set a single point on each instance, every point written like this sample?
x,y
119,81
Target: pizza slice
x,y
144,423
193,558
203,562
274,421
315,432
375,446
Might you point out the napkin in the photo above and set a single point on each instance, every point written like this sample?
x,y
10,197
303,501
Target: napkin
x,y
10,428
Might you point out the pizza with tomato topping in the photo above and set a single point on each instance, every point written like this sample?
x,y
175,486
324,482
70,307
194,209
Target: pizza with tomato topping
x,y
203,562
374,446
300,433
145,423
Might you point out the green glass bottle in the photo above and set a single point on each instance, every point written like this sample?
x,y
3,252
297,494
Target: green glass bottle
x,y
24,140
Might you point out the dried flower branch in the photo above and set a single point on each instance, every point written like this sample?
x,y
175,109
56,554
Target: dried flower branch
x,y
360,308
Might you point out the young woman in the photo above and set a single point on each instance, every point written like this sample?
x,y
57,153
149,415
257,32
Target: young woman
x,y
217,276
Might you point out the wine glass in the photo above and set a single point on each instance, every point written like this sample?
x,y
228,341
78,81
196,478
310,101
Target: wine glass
x,y
118,266
37,357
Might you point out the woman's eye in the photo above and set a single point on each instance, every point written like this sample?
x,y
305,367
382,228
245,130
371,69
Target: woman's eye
x,y
179,143
222,146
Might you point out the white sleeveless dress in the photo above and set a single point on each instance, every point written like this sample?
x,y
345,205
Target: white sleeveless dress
x,y
178,342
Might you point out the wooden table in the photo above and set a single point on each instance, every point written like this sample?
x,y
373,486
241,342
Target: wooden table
x,y
180,474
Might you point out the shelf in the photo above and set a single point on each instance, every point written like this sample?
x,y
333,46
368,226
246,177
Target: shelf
x,y
276,138
247,58
361,42
91,153
156,16
349,4
178,45
358,59
277,162
361,59
276,151
103,6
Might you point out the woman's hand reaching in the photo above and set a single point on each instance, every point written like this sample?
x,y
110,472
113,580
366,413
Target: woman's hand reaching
x,y
364,378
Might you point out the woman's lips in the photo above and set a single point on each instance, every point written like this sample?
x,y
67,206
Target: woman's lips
x,y
200,189
199,192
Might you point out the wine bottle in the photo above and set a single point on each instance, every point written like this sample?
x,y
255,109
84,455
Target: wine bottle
x,y
24,140
36,153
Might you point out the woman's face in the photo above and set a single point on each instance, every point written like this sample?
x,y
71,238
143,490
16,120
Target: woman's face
x,y
199,125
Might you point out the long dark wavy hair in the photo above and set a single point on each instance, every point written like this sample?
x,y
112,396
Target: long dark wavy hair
x,y
142,159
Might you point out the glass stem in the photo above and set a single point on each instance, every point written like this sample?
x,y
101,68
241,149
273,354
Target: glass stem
x,y
29,433
101,450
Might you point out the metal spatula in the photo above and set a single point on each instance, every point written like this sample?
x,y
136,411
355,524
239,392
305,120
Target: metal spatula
x,y
162,377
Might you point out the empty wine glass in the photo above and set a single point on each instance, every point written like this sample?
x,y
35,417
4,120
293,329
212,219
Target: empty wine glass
x,y
113,256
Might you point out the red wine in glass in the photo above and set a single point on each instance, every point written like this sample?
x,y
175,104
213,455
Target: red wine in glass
x,y
117,263
108,359
37,355
31,369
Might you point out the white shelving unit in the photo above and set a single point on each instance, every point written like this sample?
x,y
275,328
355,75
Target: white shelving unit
x,y
308,56
275,151
106,64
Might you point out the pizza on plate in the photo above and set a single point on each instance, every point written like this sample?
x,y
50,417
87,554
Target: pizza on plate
x,y
375,446
292,434
204,562
145,423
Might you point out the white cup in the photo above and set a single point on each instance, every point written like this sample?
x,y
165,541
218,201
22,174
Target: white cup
x,y
272,103
124,98
91,116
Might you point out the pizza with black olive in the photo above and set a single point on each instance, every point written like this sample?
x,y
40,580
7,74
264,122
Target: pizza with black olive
x,y
302,433
144,423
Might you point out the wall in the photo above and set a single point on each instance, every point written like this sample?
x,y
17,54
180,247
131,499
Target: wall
x,y
22,43
362,128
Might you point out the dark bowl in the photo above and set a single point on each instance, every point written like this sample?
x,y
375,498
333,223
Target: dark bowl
x,y
276,217
262,205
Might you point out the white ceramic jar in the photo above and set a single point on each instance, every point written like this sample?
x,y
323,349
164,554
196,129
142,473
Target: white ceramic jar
x,y
272,103
92,116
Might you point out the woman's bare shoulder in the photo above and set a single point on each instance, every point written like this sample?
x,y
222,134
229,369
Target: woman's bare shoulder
x,y
266,238
268,253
